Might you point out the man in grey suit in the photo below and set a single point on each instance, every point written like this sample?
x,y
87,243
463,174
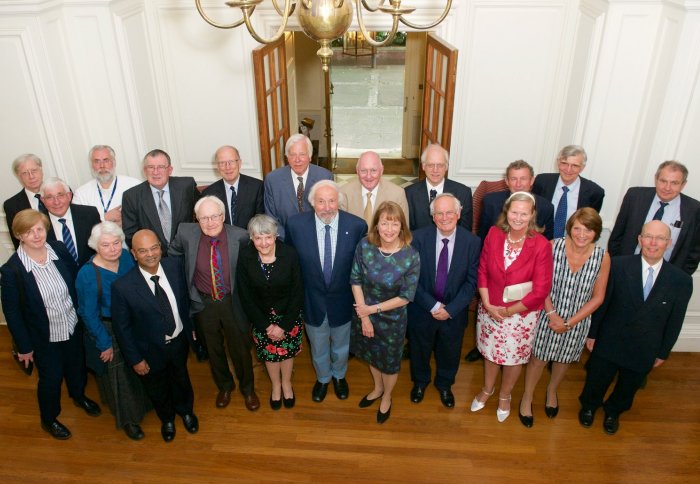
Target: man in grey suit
x,y
210,248
286,188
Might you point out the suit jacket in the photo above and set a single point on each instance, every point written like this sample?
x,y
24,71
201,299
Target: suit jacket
x,y
281,197
335,300
352,200
533,264
12,207
186,243
590,194
419,203
461,277
29,322
139,209
630,220
137,319
630,331
493,206
85,218
249,199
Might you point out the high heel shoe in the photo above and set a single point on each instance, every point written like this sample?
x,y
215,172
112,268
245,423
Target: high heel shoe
x,y
478,404
366,402
551,412
502,415
526,420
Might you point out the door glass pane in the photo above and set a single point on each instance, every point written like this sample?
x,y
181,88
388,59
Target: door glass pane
x,y
441,116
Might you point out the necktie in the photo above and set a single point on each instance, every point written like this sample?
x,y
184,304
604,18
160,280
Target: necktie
x,y
327,257
560,216
649,283
660,212
164,214
300,193
68,240
441,276
42,207
433,194
165,306
368,210
217,275
233,205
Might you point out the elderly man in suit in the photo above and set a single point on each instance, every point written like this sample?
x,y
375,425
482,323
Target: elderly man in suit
x,y
286,188
435,161
325,240
70,223
242,195
437,317
210,248
106,190
151,320
664,202
362,196
161,203
567,190
28,170
636,327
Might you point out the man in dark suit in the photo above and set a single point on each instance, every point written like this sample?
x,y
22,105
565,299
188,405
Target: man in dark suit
x,y
70,223
161,203
210,248
242,195
28,170
567,190
435,161
151,320
286,188
664,202
325,240
437,317
635,328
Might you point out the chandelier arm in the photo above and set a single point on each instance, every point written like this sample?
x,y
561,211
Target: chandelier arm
x,y
429,26
279,10
371,9
206,18
365,33
280,30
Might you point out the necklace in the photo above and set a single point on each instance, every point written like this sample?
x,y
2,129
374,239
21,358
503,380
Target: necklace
x,y
513,242
388,253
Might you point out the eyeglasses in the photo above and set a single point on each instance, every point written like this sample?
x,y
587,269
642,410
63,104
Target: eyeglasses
x,y
228,162
213,218
297,156
27,173
157,167
372,171
449,213
58,196
436,166
573,166
655,238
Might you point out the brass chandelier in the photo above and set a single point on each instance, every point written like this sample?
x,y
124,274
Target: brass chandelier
x,y
324,20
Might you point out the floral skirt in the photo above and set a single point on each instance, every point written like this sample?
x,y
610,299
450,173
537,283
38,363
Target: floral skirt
x,y
276,351
508,342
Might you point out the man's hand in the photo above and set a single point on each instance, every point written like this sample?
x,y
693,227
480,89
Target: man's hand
x,y
141,368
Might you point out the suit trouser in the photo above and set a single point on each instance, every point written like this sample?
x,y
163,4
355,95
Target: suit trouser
x,y
330,347
170,388
218,327
599,376
445,337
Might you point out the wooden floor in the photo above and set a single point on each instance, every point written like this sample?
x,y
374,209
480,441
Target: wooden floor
x,y
335,441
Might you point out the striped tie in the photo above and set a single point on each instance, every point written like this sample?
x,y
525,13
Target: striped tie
x,y
68,240
217,276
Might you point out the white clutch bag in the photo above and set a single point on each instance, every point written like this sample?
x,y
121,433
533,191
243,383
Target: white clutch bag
x,y
517,291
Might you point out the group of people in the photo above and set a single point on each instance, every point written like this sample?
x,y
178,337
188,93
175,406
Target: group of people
x,y
123,277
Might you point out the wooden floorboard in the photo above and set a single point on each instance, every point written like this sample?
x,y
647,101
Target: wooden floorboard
x,y
335,441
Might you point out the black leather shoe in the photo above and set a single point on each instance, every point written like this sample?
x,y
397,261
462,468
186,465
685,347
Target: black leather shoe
x,y
133,431
585,417
366,402
319,391
551,412
611,424
191,423
57,430
526,420
447,398
383,416
275,404
473,355
417,393
341,388
167,430
90,407
289,402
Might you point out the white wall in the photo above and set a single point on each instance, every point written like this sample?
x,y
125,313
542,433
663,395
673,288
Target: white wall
x,y
621,77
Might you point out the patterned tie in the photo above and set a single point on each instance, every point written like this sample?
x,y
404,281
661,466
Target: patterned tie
x,y
368,210
660,212
165,306
300,193
217,275
42,207
233,205
433,194
560,216
164,214
649,283
68,240
441,276
327,256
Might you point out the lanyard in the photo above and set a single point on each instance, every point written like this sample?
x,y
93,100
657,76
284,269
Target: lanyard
x,y
99,192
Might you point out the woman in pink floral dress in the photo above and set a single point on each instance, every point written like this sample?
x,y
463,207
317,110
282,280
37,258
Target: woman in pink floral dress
x,y
514,258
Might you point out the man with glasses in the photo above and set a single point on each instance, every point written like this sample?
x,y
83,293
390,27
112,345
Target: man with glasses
x,y
242,195
28,170
210,249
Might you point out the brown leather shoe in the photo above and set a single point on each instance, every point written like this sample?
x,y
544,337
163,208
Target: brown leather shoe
x,y
252,402
223,398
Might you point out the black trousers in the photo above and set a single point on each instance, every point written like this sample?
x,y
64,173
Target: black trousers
x,y
445,337
220,331
599,376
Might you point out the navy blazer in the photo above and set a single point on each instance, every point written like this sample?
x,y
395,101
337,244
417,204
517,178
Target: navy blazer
x,y
12,206
138,320
29,323
493,206
590,194
335,301
419,203
85,217
249,199
632,332
630,220
461,277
